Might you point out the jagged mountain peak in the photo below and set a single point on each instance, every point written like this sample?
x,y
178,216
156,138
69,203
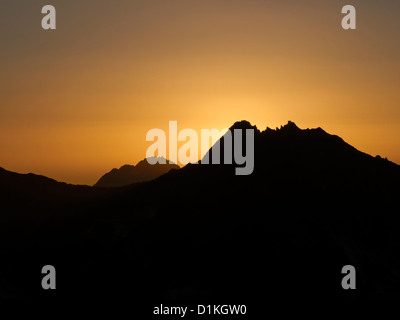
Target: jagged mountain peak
x,y
244,124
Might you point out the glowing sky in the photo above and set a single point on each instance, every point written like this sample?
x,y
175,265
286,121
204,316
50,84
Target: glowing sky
x,y
78,101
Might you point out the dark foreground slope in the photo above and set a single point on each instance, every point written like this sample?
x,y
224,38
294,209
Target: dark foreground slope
x,y
312,205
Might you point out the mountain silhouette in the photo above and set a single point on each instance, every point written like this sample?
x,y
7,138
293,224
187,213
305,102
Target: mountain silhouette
x,y
129,174
312,205
32,195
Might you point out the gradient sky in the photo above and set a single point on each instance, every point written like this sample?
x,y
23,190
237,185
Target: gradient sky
x,y
78,101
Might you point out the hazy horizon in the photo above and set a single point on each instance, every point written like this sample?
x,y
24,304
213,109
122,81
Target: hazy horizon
x,y
78,101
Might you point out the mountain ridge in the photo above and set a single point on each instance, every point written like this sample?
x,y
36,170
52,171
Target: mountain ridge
x,y
312,205
129,174
285,130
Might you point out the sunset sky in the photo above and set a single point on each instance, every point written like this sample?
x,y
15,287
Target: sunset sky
x,y
77,101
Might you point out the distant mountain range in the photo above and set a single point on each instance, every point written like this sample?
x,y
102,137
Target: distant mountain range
x,y
312,205
129,174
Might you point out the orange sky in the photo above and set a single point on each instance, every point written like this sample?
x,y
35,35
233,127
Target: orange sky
x,y
78,101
